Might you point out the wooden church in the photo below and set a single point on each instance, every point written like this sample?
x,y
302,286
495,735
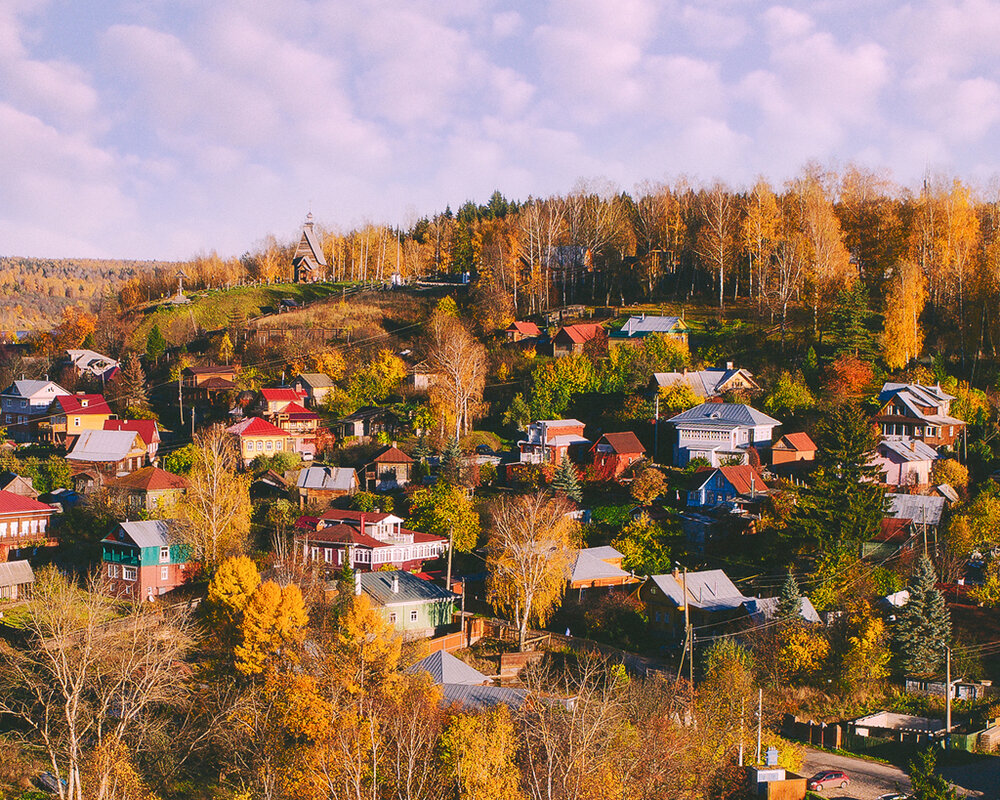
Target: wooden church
x,y
308,260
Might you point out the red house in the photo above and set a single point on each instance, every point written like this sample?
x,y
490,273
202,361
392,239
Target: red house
x,y
24,522
616,452
572,338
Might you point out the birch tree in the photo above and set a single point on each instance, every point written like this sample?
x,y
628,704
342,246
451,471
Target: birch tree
x,y
459,364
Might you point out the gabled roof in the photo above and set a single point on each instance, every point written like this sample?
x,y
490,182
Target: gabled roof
x,y
141,533
327,478
723,415
524,328
298,412
646,324
477,698
83,404
211,369
703,383
392,455
766,608
581,332
11,503
147,429
622,443
795,441
103,446
26,388
909,449
710,590
342,533
893,530
311,241
316,380
366,412
150,479
926,395
378,586
356,516
280,394
219,384
744,478
255,426
90,361
922,509
16,573
591,564
443,668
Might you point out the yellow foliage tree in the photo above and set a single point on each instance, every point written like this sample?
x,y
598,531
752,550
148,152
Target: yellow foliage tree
x,y
903,336
273,625
865,662
367,647
802,653
952,472
229,591
478,754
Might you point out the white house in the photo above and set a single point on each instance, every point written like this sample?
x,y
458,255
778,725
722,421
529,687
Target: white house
x,y
719,432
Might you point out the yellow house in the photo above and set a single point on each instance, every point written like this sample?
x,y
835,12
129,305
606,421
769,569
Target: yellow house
x,y
258,437
71,414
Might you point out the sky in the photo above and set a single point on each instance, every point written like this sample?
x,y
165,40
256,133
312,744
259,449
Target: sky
x,y
160,129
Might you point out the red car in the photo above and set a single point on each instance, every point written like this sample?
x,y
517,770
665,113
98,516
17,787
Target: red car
x,y
827,778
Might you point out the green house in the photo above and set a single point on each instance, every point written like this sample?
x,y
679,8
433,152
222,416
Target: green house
x,y
417,608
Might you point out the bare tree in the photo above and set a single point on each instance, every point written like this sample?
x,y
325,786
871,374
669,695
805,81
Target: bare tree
x,y
459,364
717,235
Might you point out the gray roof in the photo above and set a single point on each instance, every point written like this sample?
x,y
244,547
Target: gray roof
x,y
443,667
922,509
710,590
329,478
378,585
723,415
929,395
766,608
27,388
474,698
16,573
910,449
640,326
317,380
590,564
102,446
703,383
314,244
143,533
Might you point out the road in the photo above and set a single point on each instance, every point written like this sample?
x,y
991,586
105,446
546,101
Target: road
x,y
870,779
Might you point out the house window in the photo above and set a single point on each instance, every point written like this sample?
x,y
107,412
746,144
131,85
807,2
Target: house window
x,y
76,422
7,418
260,445
13,528
164,573
41,525
164,555
20,419
112,570
128,573
3,530
392,617
34,526
413,616
277,445
24,404
270,445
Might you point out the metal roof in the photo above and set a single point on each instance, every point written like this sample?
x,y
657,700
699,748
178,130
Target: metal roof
x,y
26,388
443,668
329,478
640,326
710,590
723,415
141,533
16,573
590,565
411,589
102,446
474,698
766,608
921,509
316,380
910,449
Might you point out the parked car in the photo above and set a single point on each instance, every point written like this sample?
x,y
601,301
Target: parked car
x,y
894,796
826,779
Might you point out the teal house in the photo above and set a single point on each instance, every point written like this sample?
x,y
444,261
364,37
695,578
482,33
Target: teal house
x,y
417,608
141,561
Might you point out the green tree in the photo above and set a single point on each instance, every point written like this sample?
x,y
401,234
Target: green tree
x,y
129,389
374,381
453,466
156,345
923,625
566,481
647,546
446,510
790,599
677,397
790,395
927,782
849,323
181,460
555,383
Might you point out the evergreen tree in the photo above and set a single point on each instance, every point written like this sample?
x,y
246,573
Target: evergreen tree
x,y
130,388
849,323
844,502
453,462
928,784
790,599
924,624
566,481
156,345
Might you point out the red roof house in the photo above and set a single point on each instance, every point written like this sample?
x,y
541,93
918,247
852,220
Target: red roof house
x,y
519,331
390,469
274,400
148,488
147,429
572,338
793,447
24,522
616,452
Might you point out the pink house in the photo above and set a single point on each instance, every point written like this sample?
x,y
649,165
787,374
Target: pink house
x,y
905,462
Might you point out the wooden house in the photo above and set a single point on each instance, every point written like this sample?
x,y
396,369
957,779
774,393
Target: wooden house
x,y
415,607
24,404
915,411
323,484
519,331
106,454
706,384
17,484
793,447
571,339
149,489
598,568
366,423
638,328
258,437
390,469
547,441
204,384
147,429
71,414
314,387
614,453
141,561
720,432
16,580
711,598
308,261
24,522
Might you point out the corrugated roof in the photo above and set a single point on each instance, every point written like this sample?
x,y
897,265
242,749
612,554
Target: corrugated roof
x,y
16,573
327,478
922,509
369,516
11,503
378,586
724,415
392,455
443,668
255,426
704,383
147,429
82,404
766,608
26,388
525,328
710,590
317,380
102,446
910,449
644,325
582,332
744,478
590,565
279,394
476,698
141,533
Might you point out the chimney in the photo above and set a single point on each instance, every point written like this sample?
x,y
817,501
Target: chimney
x,y
357,583
729,365
395,583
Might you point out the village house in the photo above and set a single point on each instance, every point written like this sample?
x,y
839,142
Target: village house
x,y
548,440
147,429
17,484
911,519
87,362
710,596
464,687
391,469
793,447
598,568
99,456
915,411
203,384
276,399
905,462
140,560
308,261
149,489
764,609
302,427
571,339
417,608
706,384
720,432
638,328
614,453
725,486
24,403
519,331
365,541
24,523
314,387
365,423
420,376
320,485
16,580
70,414
258,437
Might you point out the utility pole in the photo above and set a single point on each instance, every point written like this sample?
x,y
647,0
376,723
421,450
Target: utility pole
x,y
947,695
656,428
760,717
743,703
180,394
688,638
